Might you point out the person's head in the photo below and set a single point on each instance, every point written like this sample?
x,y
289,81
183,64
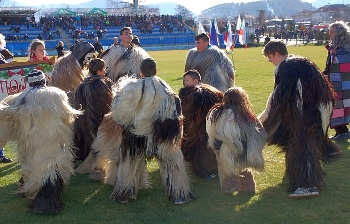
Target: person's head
x,y
115,40
96,39
60,43
202,42
191,78
339,34
97,66
148,67
36,78
276,51
126,36
2,41
37,48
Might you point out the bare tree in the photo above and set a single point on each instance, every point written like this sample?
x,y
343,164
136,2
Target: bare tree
x,y
183,11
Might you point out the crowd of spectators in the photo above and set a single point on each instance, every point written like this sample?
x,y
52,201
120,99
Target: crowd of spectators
x,y
79,26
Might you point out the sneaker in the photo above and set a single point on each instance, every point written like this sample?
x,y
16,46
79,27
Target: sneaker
x,y
180,201
304,192
210,177
4,159
341,137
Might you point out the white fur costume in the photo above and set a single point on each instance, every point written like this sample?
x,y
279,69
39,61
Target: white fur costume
x,y
150,116
124,61
238,140
40,120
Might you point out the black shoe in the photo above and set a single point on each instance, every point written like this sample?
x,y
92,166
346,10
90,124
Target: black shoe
x,y
341,137
4,159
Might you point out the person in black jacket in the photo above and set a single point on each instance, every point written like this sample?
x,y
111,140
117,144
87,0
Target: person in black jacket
x,y
60,48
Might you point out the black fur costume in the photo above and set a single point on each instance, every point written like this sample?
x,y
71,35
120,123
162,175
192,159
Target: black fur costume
x,y
297,119
196,102
94,96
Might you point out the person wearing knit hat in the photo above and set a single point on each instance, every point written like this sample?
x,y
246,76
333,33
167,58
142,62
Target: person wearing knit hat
x,y
40,120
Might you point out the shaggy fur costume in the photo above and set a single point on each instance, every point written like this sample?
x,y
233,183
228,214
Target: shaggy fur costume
x,y
69,70
106,148
94,96
150,114
40,120
124,61
196,102
238,139
297,118
214,66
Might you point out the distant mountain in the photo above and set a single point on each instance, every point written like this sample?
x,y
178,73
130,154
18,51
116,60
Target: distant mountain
x,y
283,8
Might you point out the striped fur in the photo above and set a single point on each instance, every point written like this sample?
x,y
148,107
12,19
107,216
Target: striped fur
x,y
148,109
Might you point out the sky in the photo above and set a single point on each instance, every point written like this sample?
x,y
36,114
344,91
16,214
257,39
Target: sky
x,y
192,5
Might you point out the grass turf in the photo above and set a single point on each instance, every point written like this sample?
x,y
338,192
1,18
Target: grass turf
x,y
88,201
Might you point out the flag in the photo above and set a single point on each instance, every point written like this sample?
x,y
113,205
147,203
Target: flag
x,y
213,34
200,28
228,36
239,23
242,38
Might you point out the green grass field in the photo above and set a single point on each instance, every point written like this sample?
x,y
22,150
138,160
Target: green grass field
x,y
88,201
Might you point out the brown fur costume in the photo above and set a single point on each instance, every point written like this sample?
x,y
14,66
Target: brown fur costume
x,y
69,70
40,120
121,61
238,139
297,118
150,114
106,148
196,102
94,96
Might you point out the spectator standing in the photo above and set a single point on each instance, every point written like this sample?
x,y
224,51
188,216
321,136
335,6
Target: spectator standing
x,y
59,49
337,70
98,46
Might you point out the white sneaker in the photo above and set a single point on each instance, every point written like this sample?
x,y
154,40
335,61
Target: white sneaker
x,y
304,192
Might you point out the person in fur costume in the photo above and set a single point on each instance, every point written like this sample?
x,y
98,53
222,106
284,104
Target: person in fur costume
x,y
41,120
124,58
297,119
148,120
94,96
238,138
212,63
196,101
71,69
